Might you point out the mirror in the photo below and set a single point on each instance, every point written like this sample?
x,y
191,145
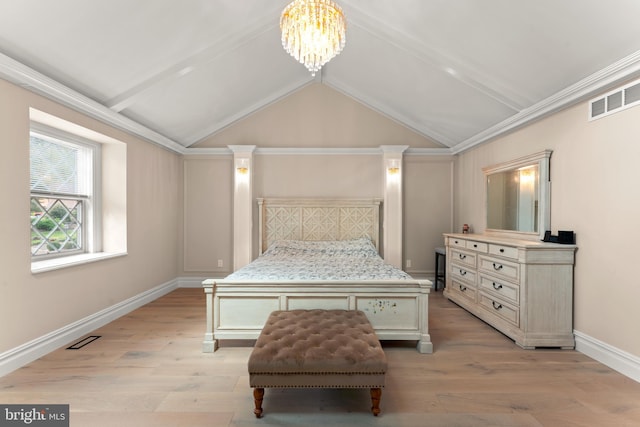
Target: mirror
x,y
517,196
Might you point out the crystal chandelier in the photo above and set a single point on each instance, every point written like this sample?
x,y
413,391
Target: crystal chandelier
x,y
313,32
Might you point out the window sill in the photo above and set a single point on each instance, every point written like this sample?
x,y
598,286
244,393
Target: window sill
x,y
70,261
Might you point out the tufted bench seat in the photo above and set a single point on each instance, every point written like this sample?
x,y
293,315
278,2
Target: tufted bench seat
x,y
317,349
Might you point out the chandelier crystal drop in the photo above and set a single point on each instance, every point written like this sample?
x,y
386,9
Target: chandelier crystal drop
x,y
313,32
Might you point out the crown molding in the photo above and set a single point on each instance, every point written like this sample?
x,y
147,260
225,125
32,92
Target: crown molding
x,y
320,151
285,151
27,78
430,152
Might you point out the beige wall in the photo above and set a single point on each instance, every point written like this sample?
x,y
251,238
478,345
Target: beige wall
x,y
208,216
33,305
594,175
316,117
208,200
428,210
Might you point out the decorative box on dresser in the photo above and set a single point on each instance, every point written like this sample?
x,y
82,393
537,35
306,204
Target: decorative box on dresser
x,y
523,288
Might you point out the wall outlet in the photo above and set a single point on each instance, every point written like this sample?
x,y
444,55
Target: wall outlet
x,y
408,263
220,263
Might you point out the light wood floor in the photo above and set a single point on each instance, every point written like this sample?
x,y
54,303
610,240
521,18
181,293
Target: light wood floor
x,y
147,369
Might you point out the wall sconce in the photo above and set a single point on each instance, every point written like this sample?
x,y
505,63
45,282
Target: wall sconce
x,y
242,166
526,175
394,167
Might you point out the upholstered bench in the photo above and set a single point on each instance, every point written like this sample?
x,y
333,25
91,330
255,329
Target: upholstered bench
x,y
317,349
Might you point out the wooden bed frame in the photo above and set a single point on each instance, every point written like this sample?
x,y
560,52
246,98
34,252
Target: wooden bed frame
x,y
398,310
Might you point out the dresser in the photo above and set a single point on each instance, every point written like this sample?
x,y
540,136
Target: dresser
x,y
522,288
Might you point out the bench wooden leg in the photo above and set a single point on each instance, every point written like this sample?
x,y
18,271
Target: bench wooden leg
x,y
258,394
375,400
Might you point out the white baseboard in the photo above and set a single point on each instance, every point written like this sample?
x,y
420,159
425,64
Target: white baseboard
x,y
621,361
17,357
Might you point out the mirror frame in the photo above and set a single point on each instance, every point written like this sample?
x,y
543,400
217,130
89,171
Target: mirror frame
x,y
542,160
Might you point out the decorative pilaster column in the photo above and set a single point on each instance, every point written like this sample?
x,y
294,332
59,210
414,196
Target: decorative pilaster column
x,y
242,204
392,207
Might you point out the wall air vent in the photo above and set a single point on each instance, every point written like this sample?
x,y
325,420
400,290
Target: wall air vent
x,y
614,101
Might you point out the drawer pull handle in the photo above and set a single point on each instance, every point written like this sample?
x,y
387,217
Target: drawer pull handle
x,y
496,305
463,288
456,242
497,286
462,256
475,246
497,267
501,250
463,273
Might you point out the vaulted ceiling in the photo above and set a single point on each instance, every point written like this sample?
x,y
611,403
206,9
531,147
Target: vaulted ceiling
x,y
458,72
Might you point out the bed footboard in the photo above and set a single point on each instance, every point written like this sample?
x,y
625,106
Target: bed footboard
x,y
239,310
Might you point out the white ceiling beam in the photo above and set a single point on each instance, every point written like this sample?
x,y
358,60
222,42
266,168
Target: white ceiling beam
x,y
457,68
184,66
602,80
385,110
36,82
274,97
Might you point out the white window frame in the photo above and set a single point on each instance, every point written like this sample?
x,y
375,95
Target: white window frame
x,y
110,214
91,226
92,221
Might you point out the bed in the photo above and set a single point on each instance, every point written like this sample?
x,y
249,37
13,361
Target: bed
x,y
308,251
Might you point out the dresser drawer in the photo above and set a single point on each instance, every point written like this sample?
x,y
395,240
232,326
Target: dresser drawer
x,y
477,246
499,308
464,274
506,251
494,266
458,243
463,290
507,291
460,257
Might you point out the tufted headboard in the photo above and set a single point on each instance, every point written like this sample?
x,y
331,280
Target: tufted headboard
x,y
318,219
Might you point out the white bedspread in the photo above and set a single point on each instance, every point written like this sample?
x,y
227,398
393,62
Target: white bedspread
x,y
319,260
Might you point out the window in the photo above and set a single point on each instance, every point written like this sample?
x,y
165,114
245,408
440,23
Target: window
x,y
64,197
78,194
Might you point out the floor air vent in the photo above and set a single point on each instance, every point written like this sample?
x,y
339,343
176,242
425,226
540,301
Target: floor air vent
x,y
83,342
617,100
